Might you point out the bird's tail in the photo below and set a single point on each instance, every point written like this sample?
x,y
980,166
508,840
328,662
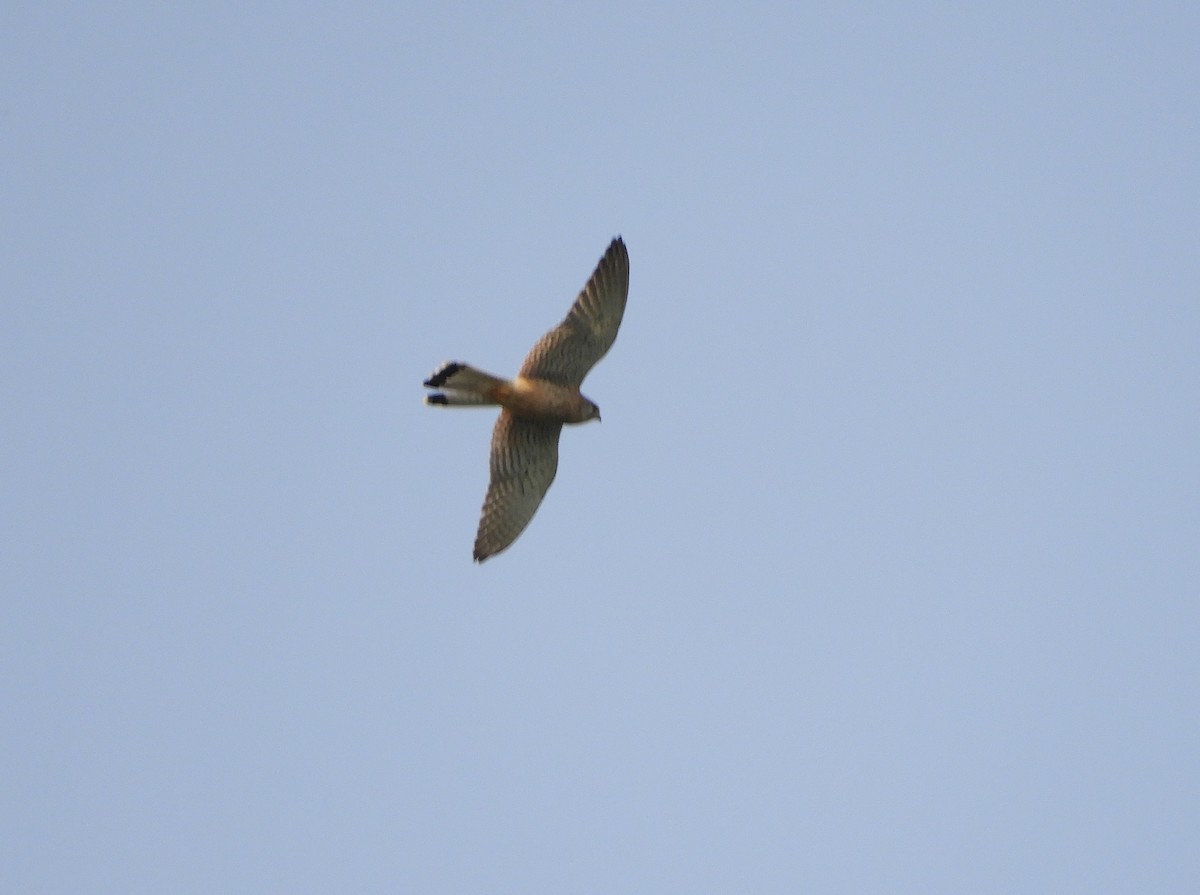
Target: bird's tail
x,y
463,386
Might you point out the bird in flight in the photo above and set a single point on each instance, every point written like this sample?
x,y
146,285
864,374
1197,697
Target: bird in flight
x,y
535,404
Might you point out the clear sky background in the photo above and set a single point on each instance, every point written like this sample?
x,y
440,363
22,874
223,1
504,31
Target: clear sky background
x,y
880,575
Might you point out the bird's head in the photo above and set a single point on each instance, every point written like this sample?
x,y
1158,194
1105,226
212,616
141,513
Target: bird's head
x,y
590,411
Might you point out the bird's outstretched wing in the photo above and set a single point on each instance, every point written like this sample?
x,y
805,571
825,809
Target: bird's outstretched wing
x,y
566,353
523,462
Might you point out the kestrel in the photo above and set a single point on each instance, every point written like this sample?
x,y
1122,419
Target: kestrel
x,y
543,396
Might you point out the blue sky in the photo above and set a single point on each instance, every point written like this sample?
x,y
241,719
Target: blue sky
x,y
879,575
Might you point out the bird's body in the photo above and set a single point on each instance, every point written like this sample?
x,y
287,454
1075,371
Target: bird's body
x,y
538,401
528,398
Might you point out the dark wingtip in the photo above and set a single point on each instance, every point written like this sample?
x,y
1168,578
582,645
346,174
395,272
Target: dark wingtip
x,y
443,374
480,552
436,399
616,253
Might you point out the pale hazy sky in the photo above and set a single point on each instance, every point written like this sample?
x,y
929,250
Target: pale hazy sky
x,y
880,575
